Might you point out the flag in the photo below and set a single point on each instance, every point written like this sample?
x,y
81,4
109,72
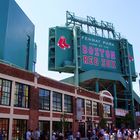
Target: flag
x,y
130,58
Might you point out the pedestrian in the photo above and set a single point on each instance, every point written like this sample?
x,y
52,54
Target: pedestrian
x,y
60,136
0,134
32,135
119,134
70,135
54,136
36,134
106,135
94,135
89,134
78,135
28,135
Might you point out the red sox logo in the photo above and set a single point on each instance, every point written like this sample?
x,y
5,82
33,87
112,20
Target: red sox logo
x,y
130,58
62,43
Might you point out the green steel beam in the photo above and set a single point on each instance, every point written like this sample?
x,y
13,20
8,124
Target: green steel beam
x,y
97,86
101,75
96,74
76,72
115,95
72,20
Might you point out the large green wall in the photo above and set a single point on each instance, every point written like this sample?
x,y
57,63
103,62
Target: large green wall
x,y
4,6
15,30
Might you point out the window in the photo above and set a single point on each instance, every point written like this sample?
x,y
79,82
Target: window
x,y
68,103
88,107
19,129
5,92
57,126
57,101
44,126
44,99
4,126
107,110
21,95
95,109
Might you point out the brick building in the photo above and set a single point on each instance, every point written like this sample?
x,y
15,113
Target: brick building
x,y
29,100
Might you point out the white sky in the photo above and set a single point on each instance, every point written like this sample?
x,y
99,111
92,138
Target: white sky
x,y
124,14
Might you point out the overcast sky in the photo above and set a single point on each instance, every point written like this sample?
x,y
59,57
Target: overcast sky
x,y
124,14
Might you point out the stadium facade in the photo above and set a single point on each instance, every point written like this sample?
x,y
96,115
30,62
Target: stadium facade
x,y
29,100
101,87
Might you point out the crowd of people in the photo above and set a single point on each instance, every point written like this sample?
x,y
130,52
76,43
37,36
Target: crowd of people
x,y
104,134
68,136
115,134
92,134
32,135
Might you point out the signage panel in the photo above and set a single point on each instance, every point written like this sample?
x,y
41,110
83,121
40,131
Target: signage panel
x,y
94,52
99,53
63,46
121,112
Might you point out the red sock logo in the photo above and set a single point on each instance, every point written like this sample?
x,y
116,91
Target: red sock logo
x,y
62,43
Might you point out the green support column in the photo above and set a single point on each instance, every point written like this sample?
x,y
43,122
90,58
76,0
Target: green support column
x,y
131,89
97,86
115,95
126,101
76,72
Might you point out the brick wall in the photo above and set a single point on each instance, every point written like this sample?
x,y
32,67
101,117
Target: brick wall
x,y
11,71
4,110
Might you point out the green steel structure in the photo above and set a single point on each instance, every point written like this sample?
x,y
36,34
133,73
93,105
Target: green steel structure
x,y
99,58
17,45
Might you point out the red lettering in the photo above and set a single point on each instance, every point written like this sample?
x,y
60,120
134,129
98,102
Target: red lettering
x,y
107,63
84,49
96,61
102,52
107,54
90,60
85,59
112,53
91,50
113,64
96,51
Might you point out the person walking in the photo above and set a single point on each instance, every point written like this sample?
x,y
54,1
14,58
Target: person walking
x,y
54,136
119,134
28,135
78,135
36,134
106,135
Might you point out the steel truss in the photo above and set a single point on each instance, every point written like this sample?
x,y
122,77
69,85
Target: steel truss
x,y
92,26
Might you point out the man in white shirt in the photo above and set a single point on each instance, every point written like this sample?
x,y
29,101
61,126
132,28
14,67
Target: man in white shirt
x,y
28,135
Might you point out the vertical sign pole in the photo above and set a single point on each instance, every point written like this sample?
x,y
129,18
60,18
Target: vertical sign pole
x,y
76,72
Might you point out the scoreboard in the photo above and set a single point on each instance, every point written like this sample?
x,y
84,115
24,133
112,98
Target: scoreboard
x,y
94,52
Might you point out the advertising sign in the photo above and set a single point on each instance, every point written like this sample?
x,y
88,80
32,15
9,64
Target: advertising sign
x,y
79,109
63,47
121,112
99,53
94,52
